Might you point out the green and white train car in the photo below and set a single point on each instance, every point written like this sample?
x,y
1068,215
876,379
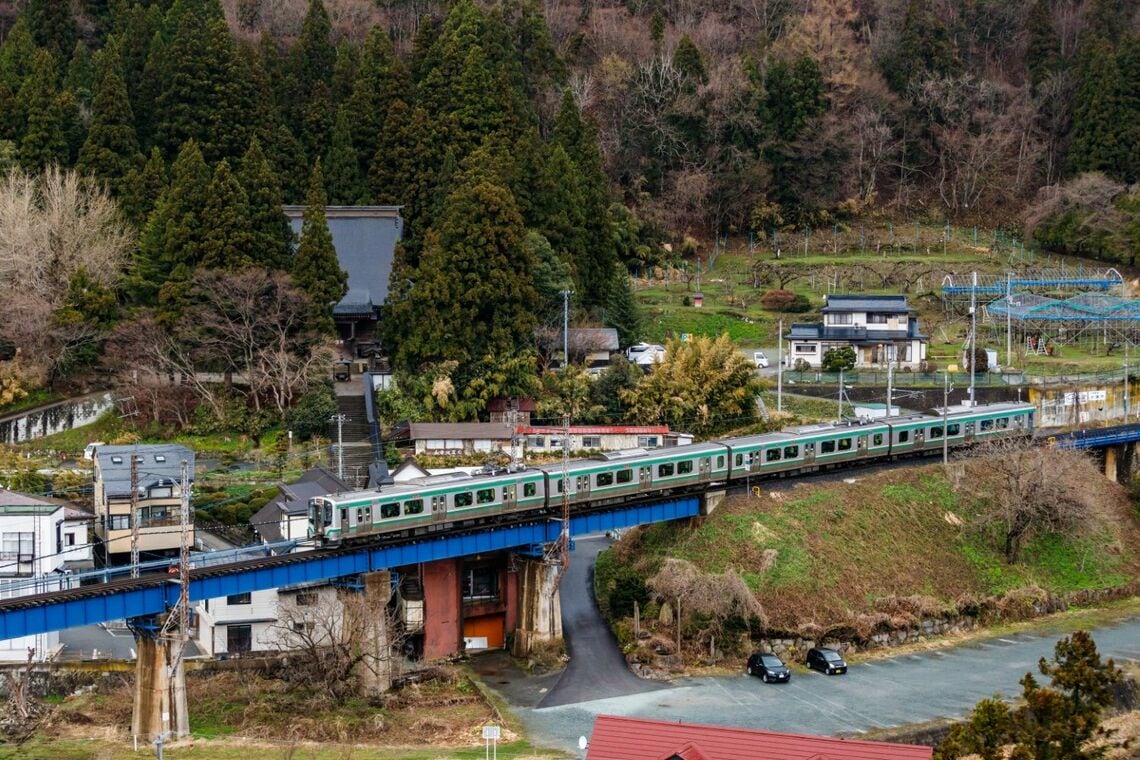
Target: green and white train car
x,y
807,446
619,474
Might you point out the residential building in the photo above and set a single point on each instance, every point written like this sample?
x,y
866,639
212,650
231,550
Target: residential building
x,y
601,437
158,500
882,329
41,544
365,240
454,437
286,518
592,345
618,738
253,622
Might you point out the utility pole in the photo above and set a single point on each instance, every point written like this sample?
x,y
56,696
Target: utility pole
x,y
780,367
134,515
339,419
890,378
945,416
841,394
565,329
1008,324
973,333
182,717
559,553
1126,380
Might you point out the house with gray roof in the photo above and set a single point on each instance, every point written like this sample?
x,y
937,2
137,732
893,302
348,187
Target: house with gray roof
x,y
881,328
365,240
286,517
157,498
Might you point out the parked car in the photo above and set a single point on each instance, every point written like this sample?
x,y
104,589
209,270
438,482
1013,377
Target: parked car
x,y
769,667
761,359
826,661
645,354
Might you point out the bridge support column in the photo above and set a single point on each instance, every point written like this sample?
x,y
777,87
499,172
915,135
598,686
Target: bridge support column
x,y
443,611
1110,462
377,643
160,689
540,608
1125,466
710,500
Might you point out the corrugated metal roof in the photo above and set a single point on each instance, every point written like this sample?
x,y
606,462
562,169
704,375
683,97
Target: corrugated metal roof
x,y
878,304
159,462
465,431
618,738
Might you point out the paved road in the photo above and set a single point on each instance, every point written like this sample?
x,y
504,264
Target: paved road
x,y
907,688
597,668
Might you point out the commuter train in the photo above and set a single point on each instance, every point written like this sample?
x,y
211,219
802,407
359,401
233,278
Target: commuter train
x,y
446,501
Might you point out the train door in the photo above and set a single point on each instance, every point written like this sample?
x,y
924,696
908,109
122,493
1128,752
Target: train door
x,y
438,508
582,486
969,435
919,437
861,446
645,477
809,453
509,495
705,467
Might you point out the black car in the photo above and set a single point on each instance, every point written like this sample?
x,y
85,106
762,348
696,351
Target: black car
x,y
826,661
768,667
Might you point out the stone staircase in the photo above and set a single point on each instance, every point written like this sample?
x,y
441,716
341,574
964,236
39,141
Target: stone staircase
x,y
357,446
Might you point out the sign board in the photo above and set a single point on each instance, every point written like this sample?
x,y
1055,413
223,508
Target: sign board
x,y
1085,397
491,733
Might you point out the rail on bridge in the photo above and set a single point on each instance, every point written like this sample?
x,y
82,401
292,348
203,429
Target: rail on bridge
x,y
157,593
1095,438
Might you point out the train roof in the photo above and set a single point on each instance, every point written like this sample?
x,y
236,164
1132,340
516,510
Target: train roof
x,y
799,431
1004,406
633,456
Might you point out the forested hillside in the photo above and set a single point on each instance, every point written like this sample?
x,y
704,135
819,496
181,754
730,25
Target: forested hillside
x,y
533,147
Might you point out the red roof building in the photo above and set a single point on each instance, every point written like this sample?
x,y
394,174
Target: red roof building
x,y
617,738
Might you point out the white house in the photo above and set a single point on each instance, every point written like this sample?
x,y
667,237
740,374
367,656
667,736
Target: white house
x,y
286,518
601,437
41,545
253,622
882,329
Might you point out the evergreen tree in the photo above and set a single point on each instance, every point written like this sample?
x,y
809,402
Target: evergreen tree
x,y
1128,65
314,56
380,81
72,122
53,26
559,205
474,296
622,312
44,141
924,47
344,71
142,188
320,113
1043,56
271,237
146,95
316,269
171,241
17,55
345,186
1097,129
688,60
134,30
594,262
551,276
111,151
81,78
227,243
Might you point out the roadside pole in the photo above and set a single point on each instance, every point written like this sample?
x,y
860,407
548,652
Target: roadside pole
x,y
780,367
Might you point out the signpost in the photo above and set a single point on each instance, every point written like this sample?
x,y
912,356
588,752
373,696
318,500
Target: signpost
x,y
491,735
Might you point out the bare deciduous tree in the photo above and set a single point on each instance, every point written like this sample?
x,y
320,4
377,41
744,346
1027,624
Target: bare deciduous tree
x,y
719,597
1023,490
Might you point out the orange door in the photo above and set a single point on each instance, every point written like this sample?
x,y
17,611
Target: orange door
x,y
487,628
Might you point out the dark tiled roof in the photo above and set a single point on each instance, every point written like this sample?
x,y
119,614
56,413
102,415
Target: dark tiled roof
x,y
294,500
877,304
159,462
852,333
592,339
365,239
618,738
465,431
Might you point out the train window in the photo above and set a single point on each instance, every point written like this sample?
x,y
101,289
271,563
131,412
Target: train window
x,y
739,460
1002,423
506,493
936,431
720,462
414,507
987,424
559,485
684,468
827,447
529,489
904,436
389,510
772,455
605,478
664,470
791,452
877,439
953,429
485,495
344,518
844,444
463,499
1018,421
624,476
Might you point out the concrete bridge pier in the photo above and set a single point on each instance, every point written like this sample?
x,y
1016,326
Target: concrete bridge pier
x,y
377,638
540,606
1118,460
160,686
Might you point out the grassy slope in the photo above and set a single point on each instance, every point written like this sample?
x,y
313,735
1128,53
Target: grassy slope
x,y
840,547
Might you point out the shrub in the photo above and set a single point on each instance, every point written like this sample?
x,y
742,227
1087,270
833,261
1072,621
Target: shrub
x,y
801,365
686,301
928,367
836,359
777,300
310,415
629,587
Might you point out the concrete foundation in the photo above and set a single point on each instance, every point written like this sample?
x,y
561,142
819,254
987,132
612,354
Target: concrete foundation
x,y
710,500
540,609
160,691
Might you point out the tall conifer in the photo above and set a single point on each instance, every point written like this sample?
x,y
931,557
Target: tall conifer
x,y
227,243
44,141
316,269
53,26
111,150
143,187
345,186
271,236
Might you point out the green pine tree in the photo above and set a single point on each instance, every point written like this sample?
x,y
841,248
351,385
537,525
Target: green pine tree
x,y
688,60
319,116
111,151
1097,129
622,312
343,180
271,243
53,26
316,269
314,56
81,77
1043,55
17,55
381,80
924,46
171,241
227,243
146,94
142,188
44,141
344,71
